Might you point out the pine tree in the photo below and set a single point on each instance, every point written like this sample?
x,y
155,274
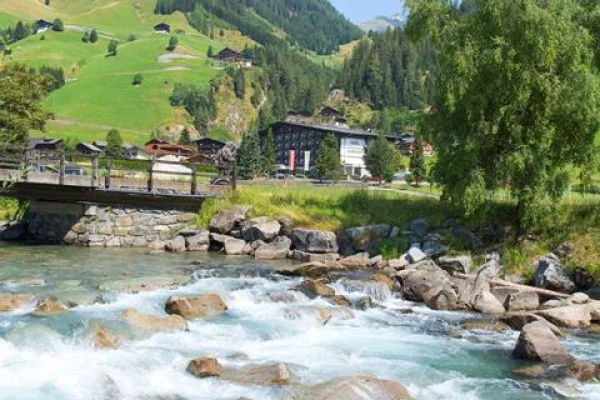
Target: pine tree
x,y
210,52
248,157
328,164
382,159
269,155
58,25
93,36
385,122
113,48
239,84
138,79
20,32
417,161
173,42
201,121
185,138
114,145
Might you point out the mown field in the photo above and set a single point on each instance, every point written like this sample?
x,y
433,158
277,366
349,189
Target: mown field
x,y
99,94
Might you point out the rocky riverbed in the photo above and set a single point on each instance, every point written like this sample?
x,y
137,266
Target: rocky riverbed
x,y
141,324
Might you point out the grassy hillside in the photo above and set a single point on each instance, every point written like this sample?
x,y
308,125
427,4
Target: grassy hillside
x,y
99,94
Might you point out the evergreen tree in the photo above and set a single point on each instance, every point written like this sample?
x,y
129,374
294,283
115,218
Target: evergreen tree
x,y
328,164
185,138
93,36
113,48
58,25
248,159
20,32
385,122
269,155
86,37
173,42
114,145
239,84
417,160
138,79
201,121
382,159
210,52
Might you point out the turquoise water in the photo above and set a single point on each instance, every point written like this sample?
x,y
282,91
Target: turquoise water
x,y
52,357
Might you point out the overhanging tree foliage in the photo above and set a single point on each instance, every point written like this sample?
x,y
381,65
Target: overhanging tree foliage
x,y
517,99
21,94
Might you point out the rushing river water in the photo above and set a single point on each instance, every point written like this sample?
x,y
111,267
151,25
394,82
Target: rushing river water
x,y
52,357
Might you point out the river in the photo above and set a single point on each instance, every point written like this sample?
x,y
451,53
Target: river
x,y
52,357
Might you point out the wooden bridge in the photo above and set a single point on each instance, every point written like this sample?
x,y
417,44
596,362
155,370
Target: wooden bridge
x,y
64,177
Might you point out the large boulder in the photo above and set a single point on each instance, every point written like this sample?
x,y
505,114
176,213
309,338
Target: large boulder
x,y
198,242
49,306
576,316
364,237
361,387
235,247
518,320
538,343
11,302
176,245
227,220
312,270
516,299
192,307
313,289
261,228
153,324
492,267
551,275
474,293
303,256
419,227
456,264
204,367
267,375
360,260
312,241
582,279
432,287
278,249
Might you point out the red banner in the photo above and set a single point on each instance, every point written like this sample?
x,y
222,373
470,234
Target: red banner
x,y
292,161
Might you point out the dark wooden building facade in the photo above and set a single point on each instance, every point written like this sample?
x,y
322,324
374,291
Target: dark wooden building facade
x,y
208,147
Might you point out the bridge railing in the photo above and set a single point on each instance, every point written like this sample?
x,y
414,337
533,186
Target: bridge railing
x,y
146,175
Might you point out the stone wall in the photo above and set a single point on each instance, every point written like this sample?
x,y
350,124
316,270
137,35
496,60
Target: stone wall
x,y
101,225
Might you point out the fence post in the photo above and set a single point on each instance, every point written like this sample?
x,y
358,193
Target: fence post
x,y
194,180
151,175
61,172
94,170
107,172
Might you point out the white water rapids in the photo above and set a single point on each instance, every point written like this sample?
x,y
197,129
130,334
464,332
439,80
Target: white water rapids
x,y
52,358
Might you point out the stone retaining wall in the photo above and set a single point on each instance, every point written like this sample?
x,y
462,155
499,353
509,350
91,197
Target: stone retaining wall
x,y
102,225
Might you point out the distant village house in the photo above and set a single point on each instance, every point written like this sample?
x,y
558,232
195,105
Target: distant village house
x,y
162,28
228,56
45,144
42,25
208,147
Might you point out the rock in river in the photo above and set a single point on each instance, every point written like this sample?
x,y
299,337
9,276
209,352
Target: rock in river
x,y
278,249
361,387
193,307
312,241
538,343
153,324
204,367
312,289
11,302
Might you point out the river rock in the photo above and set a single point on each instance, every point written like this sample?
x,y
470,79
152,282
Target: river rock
x,y
312,270
474,293
538,343
359,260
235,247
363,238
572,317
432,287
339,300
419,227
324,316
313,289
206,367
516,299
386,280
104,339
192,307
415,255
153,324
176,245
303,256
517,320
364,303
360,387
198,242
492,267
582,279
467,237
225,221
345,245
48,307
456,264
278,249
313,241
157,245
551,275
11,302
266,375
261,228
398,264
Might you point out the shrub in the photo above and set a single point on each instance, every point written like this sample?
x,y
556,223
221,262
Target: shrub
x,y
138,79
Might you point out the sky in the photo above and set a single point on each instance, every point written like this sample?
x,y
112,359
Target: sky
x,y
363,10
